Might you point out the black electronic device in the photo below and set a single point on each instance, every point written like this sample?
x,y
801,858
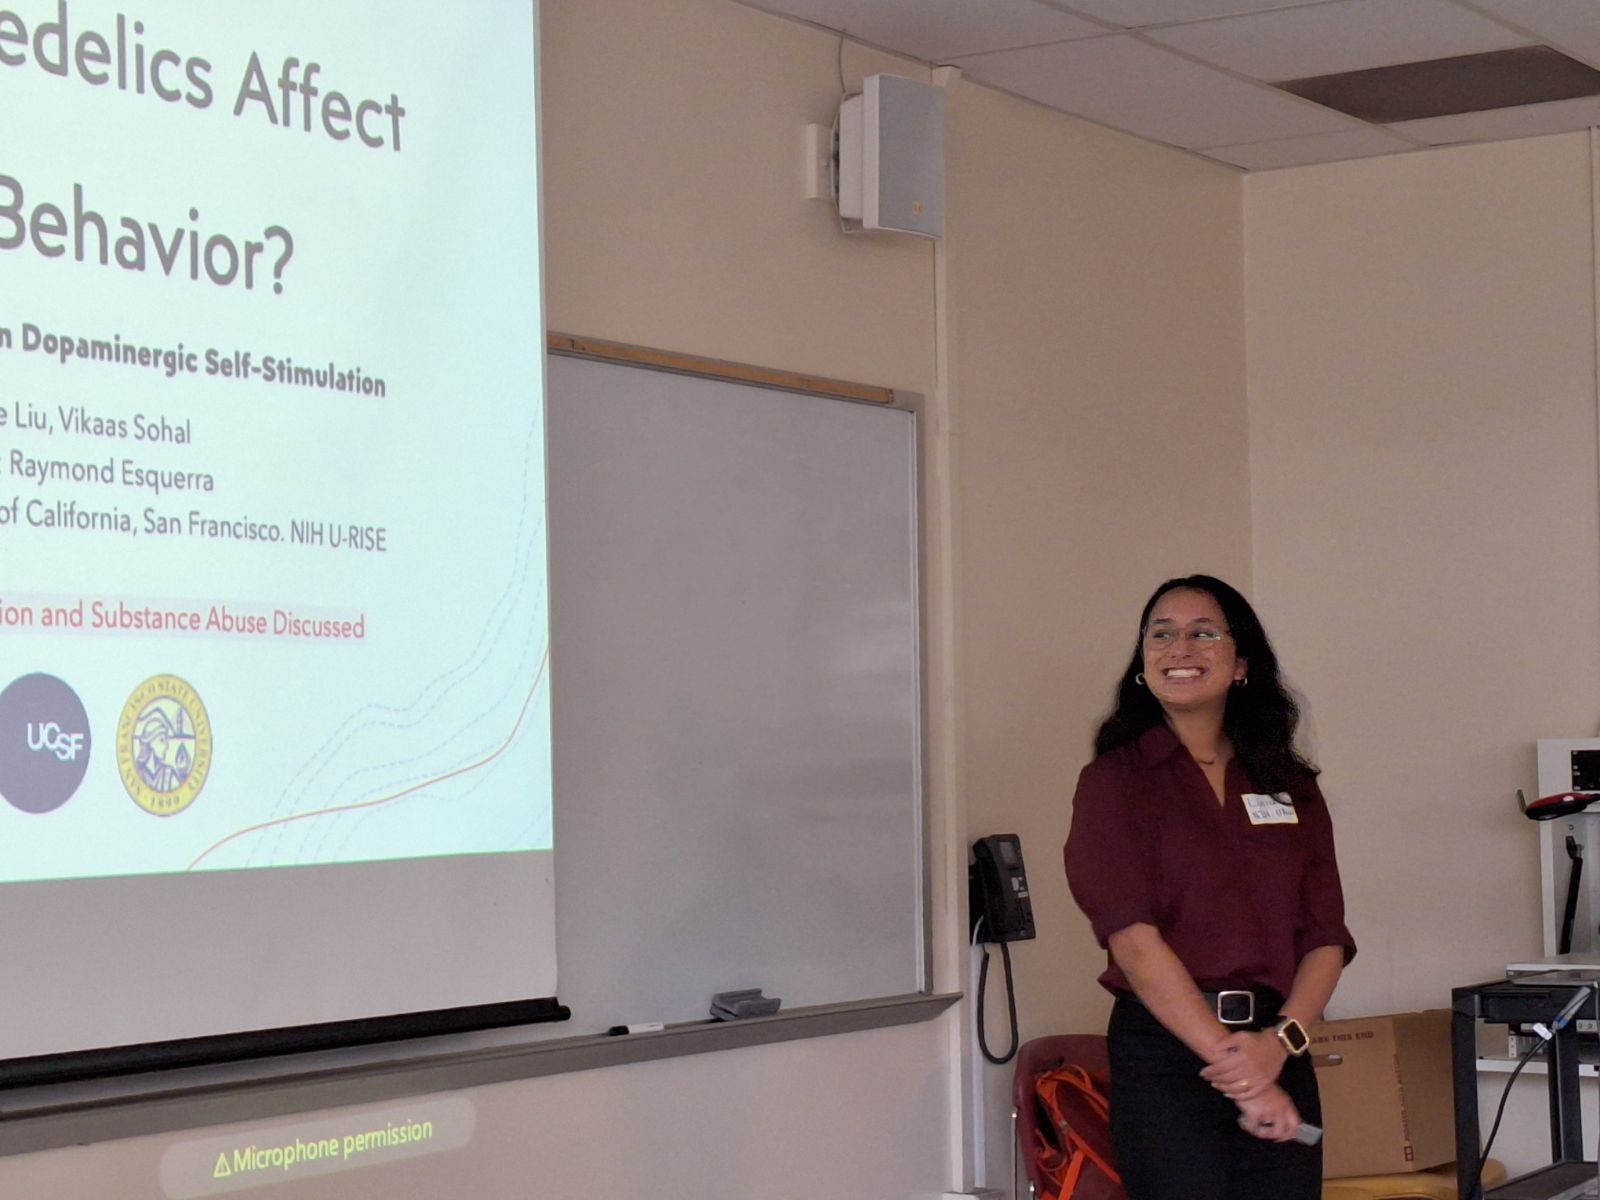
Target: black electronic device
x,y
1586,770
999,911
999,908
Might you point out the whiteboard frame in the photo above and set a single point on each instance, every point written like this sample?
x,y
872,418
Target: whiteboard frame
x,y
567,345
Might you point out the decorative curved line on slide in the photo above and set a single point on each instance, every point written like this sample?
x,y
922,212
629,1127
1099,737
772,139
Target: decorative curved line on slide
x,y
417,787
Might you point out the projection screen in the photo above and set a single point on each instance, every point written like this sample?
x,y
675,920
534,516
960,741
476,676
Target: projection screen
x,y
274,689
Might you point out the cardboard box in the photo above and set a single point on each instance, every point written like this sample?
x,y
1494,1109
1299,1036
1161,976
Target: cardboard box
x,y
1388,1105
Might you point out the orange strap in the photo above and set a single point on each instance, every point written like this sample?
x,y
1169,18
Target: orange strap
x,y
1069,1181
1066,1162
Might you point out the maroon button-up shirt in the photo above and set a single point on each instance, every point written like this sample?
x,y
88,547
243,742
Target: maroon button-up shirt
x,y
1239,903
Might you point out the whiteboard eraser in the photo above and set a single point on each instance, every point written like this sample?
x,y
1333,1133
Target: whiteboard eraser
x,y
748,1002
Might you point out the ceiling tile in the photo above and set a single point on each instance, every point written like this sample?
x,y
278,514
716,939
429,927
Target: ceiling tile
x,y
1137,14
1347,35
1318,148
1130,85
938,30
1530,120
1570,25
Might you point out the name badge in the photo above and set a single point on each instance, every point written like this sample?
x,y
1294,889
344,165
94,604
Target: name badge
x,y
1270,810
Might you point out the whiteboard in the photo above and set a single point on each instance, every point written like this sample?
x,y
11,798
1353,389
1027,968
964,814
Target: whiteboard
x,y
735,695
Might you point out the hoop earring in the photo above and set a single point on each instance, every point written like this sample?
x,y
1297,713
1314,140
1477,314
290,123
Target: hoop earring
x,y
1139,678
1242,682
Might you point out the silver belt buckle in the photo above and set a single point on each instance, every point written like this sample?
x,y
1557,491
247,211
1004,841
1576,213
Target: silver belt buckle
x,y
1236,1007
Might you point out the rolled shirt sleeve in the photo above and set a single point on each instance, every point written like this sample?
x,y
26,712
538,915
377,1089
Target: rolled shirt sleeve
x,y
1110,865
1322,898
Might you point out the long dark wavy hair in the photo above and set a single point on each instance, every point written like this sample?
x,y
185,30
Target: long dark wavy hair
x,y
1261,717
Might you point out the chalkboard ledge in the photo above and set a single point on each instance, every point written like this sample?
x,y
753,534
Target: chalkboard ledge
x,y
47,1118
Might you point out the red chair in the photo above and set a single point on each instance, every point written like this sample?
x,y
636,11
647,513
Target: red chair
x,y
1087,1050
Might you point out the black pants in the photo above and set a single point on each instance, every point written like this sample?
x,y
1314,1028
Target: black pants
x,y
1177,1138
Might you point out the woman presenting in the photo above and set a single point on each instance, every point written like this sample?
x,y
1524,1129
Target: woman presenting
x,y
1202,854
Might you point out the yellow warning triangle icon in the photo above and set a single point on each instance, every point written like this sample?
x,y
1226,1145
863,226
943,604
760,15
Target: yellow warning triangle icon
x,y
223,1170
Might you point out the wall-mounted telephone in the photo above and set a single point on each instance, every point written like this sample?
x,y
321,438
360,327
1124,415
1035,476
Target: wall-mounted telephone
x,y
997,886
1000,911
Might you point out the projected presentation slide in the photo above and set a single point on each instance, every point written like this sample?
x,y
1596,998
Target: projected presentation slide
x,y
272,483
274,684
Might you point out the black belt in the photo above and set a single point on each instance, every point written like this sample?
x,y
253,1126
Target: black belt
x,y
1245,1006
1239,1008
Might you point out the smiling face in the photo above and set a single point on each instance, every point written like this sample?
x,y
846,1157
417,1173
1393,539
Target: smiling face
x,y
1189,659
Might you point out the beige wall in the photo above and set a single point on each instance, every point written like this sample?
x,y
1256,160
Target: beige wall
x,y
1423,465
1100,425
1424,480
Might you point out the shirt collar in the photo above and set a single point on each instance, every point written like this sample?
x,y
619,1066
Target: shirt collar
x,y
1157,744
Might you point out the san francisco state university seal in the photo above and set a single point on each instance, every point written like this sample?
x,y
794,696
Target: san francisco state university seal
x,y
164,745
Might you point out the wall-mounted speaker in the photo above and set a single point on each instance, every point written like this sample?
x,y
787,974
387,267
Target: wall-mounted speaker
x,y
891,156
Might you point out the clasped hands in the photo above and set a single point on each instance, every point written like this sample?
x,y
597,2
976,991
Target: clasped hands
x,y
1244,1067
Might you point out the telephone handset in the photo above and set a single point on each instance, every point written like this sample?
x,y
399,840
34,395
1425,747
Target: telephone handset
x,y
999,907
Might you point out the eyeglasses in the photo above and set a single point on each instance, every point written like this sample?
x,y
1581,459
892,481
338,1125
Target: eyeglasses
x,y
1201,637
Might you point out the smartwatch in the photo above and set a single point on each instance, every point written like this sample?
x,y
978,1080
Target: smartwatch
x,y
1292,1035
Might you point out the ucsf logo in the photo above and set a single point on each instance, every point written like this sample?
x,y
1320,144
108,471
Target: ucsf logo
x,y
53,738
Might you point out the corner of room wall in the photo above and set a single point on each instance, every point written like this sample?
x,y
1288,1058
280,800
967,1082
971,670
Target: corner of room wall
x,y
1421,334
1101,437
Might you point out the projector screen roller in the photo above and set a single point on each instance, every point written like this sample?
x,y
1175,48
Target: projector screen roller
x,y
274,692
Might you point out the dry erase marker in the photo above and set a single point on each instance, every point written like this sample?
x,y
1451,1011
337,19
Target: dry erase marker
x,y
641,1027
